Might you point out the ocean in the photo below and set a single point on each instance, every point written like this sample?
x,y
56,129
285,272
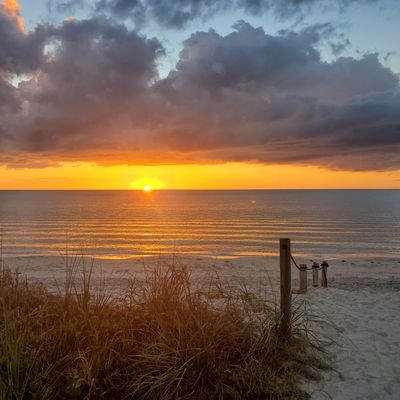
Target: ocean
x,y
122,224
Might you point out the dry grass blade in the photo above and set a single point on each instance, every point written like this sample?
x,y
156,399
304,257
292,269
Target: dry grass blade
x,y
160,339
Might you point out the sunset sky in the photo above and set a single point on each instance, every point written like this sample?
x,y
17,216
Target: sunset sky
x,y
199,94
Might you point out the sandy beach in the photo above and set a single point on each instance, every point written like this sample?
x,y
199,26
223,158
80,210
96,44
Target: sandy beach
x,y
358,311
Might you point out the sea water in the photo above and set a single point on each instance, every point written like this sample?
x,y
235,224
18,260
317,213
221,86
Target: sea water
x,y
122,224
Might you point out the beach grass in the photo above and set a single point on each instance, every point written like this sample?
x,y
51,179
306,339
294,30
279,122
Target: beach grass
x,y
160,338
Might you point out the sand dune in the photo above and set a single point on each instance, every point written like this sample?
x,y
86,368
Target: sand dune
x,y
359,310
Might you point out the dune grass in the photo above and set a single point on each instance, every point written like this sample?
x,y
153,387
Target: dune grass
x,y
159,339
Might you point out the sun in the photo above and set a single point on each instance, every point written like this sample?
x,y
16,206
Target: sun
x,y
146,184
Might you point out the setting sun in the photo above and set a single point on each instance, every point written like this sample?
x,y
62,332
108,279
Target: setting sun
x,y
147,183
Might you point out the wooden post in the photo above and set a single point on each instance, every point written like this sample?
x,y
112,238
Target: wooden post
x,y
324,278
303,278
315,268
286,295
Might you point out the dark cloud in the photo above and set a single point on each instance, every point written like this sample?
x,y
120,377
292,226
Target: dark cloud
x,y
8,97
20,52
246,96
166,12
177,13
272,99
96,76
285,62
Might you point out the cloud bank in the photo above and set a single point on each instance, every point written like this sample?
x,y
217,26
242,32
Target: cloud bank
x,y
92,93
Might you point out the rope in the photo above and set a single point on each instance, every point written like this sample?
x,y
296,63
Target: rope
x,y
294,262
296,265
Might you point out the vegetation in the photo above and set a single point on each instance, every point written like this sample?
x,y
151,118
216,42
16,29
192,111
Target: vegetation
x,y
160,339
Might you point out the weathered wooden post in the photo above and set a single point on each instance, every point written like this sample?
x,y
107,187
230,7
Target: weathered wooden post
x,y
303,278
324,278
286,295
315,268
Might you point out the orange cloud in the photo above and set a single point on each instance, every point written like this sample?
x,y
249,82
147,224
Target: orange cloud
x,y
14,9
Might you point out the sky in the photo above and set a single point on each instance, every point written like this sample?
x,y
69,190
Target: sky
x,y
199,94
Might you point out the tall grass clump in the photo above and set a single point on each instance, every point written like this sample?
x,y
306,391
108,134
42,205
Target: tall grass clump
x,y
159,339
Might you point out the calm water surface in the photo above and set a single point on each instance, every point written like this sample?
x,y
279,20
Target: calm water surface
x,y
217,223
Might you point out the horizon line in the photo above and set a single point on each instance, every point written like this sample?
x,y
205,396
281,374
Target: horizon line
x,y
192,189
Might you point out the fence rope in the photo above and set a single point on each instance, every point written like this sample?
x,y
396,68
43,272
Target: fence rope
x,y
296,265
294,261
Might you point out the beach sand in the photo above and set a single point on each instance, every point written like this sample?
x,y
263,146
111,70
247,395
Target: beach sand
x,y
359,311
